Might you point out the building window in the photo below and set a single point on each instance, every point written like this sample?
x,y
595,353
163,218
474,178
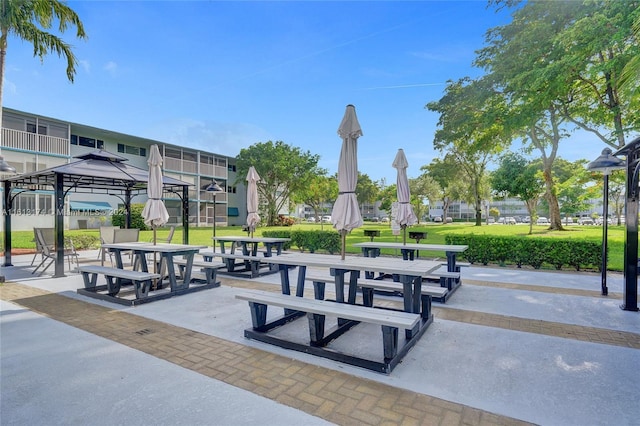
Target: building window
x,y
231,167
45,203
86,142
133,150
231,189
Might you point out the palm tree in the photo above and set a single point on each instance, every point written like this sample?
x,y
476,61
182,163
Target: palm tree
x,y
631,71
28,19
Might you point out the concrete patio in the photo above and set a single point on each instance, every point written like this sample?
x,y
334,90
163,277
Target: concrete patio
x,y
510,347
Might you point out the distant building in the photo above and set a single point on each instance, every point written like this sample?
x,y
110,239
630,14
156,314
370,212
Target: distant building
x,y
32,142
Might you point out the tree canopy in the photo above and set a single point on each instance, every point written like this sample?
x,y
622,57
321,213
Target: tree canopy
x,y
284,172
29,20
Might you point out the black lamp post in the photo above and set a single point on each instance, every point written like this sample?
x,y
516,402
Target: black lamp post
x,y
214,188
605,163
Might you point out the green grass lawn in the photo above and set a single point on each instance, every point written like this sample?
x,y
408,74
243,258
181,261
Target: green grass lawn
x,y
435,235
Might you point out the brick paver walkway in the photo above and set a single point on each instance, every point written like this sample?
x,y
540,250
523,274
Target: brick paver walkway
x,y
332,395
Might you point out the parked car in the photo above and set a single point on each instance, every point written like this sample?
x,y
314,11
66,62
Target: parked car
x,y
385,219
542,221
510,220
325,219
527,219
437,219
585,221
491,221
449,220
311,219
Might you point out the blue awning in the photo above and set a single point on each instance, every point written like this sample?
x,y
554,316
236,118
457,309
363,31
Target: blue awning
x,y
232,211
89,206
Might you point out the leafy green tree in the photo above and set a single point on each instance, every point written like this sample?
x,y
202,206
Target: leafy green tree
x,y
322,189
617,191
517,177
445,173
387,196
572,178
470,132
284,172
29,20
423,187
366,190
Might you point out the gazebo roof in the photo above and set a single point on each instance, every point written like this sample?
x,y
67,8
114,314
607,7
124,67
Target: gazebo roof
x,y
95,172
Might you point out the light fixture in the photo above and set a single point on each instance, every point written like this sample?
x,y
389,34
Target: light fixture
x,y
6,167
214,188
605,163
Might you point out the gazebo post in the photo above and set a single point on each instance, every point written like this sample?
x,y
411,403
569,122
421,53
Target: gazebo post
x,y
59,225
127,207
185,215
630,289
6,207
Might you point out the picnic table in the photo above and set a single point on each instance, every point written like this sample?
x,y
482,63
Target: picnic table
x,y
169,254
347,271
411,251
414,318
248,246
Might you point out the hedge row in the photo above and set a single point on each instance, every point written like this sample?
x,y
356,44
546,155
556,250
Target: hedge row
x,y
313,241
533,252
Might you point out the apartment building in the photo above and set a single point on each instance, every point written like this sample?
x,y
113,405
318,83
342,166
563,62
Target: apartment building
x,y
32,142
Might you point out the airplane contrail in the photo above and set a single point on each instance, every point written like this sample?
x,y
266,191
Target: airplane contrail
x,y
404,86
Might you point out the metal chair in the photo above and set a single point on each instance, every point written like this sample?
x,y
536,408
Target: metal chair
x,y
49,254
106,237
48,236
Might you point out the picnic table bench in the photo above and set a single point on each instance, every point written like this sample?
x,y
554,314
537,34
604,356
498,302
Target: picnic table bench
x,y
348,316
252,263
115,278
368,286
210,270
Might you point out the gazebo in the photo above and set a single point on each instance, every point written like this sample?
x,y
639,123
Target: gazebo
x,y
97,172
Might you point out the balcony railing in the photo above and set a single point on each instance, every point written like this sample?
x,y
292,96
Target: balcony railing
x,y
33,142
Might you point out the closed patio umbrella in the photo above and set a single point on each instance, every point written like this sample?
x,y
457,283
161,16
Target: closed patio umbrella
x,y
405,215
252,199
346,211
154,212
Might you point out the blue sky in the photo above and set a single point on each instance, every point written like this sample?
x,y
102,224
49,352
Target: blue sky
x,y
222,76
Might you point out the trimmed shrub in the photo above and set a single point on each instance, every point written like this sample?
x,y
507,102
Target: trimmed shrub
x,y
534,252
118,219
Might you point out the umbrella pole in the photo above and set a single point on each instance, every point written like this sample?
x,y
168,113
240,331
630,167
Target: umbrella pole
x,y
404,235
155,267
343,235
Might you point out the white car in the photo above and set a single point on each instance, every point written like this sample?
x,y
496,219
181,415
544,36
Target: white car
x,y
311,219
542,221
325,219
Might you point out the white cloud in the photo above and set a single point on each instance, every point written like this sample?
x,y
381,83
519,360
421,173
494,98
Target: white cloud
x,y
112,68
85,65
220,138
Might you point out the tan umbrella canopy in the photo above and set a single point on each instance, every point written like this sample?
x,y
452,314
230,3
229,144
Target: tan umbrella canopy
x,y
345,215
252,199
405,215
155,213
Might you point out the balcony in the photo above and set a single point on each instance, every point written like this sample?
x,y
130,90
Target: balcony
x,y
26,141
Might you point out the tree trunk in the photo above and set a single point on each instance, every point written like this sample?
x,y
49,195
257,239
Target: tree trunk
x,y
552,201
